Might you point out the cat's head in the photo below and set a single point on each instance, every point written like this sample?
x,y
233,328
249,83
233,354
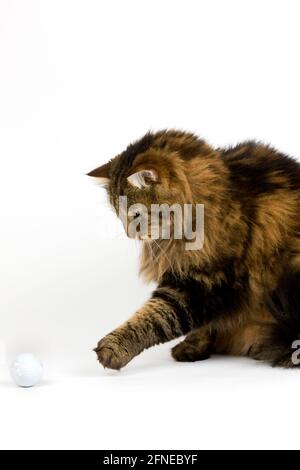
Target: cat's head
x,y
160,168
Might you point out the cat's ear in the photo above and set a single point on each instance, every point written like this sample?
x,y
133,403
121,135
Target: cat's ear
x,y
101,174
142,179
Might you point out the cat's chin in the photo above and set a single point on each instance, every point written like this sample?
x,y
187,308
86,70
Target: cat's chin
x,y
142,238
146,238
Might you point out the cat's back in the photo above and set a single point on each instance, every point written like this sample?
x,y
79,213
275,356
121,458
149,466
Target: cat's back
x,y
255,169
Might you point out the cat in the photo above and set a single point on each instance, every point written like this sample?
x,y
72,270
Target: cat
x,y
237,295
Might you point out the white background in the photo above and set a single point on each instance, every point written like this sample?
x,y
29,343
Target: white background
x,y
78,81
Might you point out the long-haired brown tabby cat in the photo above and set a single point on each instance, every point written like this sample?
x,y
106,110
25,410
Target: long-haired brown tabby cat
x,y
240,293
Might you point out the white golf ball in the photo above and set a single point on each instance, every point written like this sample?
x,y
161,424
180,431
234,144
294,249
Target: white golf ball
x,y
26,370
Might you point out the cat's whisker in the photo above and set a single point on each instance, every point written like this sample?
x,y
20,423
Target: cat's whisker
x,y
164,253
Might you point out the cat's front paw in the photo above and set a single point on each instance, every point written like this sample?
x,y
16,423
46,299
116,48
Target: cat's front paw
x,y
111,353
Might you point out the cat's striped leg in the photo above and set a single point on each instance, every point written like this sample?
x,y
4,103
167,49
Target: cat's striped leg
x,y
164,317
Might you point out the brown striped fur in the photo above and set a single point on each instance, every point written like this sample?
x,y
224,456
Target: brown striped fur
x,y
232,296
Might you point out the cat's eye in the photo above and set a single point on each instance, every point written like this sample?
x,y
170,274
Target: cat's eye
x,y
136,215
